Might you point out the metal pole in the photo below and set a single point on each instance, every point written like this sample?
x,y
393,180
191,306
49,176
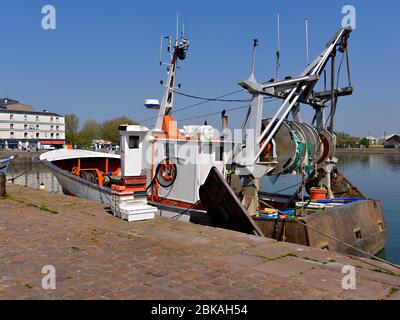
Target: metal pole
x,y
278,49
333,102
307,52
284,104
348,66
161,48
255,44
177,27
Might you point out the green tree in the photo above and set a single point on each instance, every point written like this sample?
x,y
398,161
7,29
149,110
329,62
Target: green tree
x,y
344,140
90,131
110,128
71,128
364,142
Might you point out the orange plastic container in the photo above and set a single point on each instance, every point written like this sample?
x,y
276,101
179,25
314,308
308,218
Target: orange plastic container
x,y
318,194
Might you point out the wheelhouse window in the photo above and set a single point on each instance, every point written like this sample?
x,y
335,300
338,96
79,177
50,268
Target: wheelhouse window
x,y
133,142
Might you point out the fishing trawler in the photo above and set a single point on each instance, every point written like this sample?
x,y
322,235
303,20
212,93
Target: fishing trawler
x,y
209,176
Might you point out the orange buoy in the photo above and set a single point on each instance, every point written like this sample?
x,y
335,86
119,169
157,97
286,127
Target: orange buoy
x,y
318,194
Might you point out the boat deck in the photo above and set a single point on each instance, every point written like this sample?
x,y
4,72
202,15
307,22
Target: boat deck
x,y
98,256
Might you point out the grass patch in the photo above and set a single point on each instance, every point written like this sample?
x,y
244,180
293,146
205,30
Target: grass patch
x,y
94,237
68,204
314,260
79,249
329,261
277,258
68,277
28,285
125,236
385,272
95,240
392,291
88,214
11,198
42,208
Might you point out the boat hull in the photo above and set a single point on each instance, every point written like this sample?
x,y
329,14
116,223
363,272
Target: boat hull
x,y
356,228
358,225
73,185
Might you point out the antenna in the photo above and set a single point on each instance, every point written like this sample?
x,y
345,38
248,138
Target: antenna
x,y
169,48
307,52
255,44
278,48
177,27
161,48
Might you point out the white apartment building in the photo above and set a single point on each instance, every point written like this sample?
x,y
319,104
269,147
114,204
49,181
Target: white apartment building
x,y
31,129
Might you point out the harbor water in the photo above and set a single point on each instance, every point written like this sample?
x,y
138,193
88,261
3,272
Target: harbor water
x,y
376,175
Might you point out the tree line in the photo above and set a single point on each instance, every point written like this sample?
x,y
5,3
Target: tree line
x,y
344,140
93,130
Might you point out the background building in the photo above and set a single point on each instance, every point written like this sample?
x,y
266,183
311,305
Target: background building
x,y
23,128
393,141
372,140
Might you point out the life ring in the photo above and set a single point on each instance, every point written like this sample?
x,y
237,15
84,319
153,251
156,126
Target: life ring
x,y
167,173
168,170
75,171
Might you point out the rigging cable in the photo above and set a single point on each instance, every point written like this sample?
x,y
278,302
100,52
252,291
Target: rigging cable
x,y
213,113
210,99
339,70
219,112
194,105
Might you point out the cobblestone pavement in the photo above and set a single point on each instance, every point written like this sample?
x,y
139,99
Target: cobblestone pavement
x,y
97,256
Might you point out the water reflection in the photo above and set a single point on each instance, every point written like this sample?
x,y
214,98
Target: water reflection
x,y
35,177
378,177
390,162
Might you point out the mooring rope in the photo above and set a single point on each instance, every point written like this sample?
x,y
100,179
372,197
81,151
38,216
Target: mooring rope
x,y
24,173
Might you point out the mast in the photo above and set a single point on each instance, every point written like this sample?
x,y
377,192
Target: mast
x,y
278,47
178,52
307,40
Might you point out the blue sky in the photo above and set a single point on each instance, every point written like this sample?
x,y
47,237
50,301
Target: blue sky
x,y
102,60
